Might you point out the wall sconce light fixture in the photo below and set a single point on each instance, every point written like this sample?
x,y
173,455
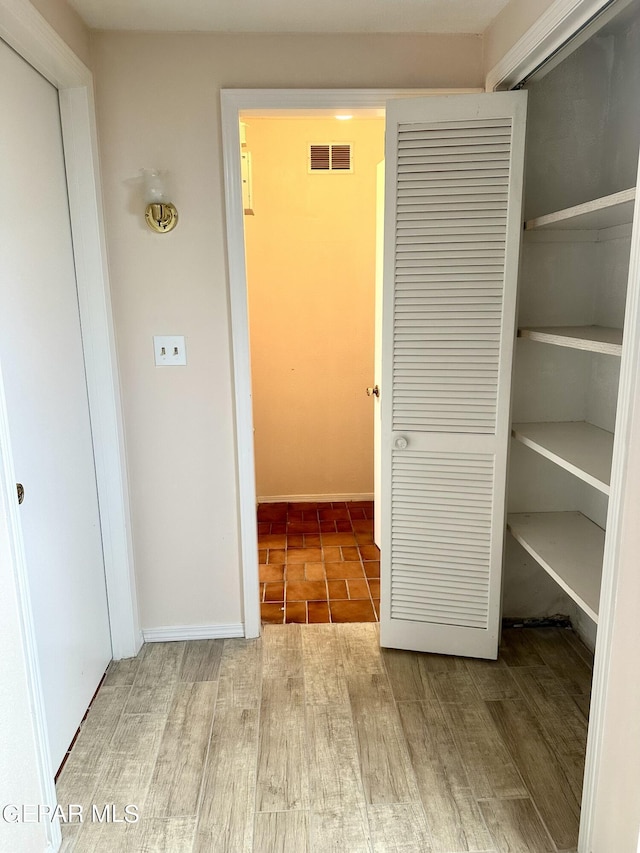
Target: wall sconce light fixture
x,y
160,214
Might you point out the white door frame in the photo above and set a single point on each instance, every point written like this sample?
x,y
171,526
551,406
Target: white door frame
x,y
262,102
556,26
26,31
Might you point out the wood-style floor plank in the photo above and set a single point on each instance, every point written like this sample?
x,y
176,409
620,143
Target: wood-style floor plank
x,y
584,704
540,769
145,836
324,675
161,836
159,662
97,837
579,647
441,663
282,780
225,820
150,698
453,816
156,678
128,762
84,766
399,828
564,725
516,826
515,650
282,651
70,834
334,770
360,647
408,675
122,673
568,666
240,675
454,686
489,766
201,661
177,775
561,718
339,831
282,832
493,679
384,763
97,730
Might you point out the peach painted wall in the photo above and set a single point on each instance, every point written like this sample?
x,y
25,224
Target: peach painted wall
x,y
311,272
179,422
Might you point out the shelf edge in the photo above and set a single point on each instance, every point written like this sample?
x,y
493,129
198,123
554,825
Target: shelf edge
x,y
583,475
568,213
584,344
552,573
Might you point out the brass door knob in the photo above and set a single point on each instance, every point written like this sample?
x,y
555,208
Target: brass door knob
x,y
20,490
373,392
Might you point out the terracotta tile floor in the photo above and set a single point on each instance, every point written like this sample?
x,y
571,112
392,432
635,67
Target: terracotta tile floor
x,y
318,562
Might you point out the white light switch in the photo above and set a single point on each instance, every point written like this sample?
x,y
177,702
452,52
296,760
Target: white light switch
x,y
169,350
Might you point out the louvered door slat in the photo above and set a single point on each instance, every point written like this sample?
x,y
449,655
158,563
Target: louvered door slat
x,y
453,196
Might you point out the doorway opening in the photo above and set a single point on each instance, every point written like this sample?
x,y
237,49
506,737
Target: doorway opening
x,y
311,201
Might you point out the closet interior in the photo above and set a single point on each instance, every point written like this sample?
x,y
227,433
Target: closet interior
x,y
581,172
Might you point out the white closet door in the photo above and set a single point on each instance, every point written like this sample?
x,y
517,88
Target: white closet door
x,y
44,381
453,199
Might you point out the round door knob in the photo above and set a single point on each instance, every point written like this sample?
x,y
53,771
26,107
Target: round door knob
x,y
401,443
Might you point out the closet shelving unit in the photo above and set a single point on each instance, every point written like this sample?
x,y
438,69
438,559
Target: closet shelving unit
x,y
568,545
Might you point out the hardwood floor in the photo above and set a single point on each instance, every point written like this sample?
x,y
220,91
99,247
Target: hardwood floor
x,y
313,740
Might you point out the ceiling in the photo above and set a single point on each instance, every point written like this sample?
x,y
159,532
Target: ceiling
x,y
292,16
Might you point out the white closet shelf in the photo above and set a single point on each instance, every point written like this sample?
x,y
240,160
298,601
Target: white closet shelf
x,y
579,447
605,212
569,547
600,339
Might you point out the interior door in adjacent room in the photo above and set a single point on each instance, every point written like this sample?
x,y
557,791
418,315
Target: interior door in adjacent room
x,y
41,353
453,199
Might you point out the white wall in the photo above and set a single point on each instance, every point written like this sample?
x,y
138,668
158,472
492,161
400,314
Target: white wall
x,y
158,105
68,24
509,26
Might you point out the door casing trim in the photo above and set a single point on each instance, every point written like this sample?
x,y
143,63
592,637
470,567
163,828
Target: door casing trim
x,y
235,102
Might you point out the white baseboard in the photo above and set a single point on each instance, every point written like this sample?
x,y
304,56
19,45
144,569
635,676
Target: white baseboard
x,y
193,632
277,499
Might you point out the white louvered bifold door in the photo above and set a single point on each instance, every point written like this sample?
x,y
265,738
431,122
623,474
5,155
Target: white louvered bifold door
x,y
453,198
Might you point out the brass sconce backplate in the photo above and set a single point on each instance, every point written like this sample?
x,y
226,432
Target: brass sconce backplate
x,y
161,217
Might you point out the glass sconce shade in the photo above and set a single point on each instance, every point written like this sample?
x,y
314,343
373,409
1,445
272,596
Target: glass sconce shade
x,y
155,186
160,214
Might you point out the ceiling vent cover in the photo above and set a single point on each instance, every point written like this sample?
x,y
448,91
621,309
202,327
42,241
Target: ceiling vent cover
x,y
330,157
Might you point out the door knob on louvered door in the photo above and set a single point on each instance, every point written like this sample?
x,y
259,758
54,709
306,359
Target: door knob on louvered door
x,y
373,392
400,443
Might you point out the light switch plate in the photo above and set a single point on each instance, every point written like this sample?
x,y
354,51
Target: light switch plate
x,y
169,350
